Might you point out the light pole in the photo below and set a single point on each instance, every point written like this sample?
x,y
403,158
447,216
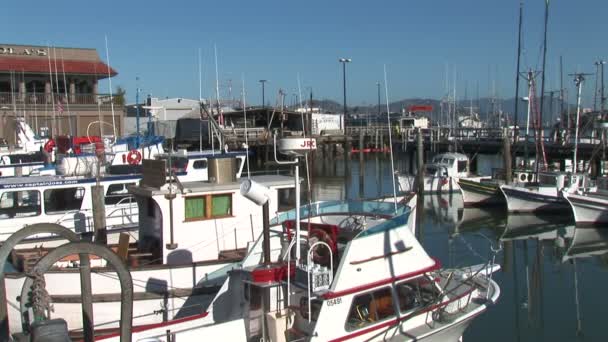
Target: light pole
x,y
378,85
344,61
264,103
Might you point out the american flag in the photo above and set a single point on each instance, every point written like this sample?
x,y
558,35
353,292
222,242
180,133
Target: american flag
x,y
59,106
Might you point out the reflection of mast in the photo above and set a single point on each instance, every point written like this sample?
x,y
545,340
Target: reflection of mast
x,y
516,292
579,328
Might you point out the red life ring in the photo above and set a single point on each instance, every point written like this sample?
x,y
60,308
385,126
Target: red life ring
x,y
134,157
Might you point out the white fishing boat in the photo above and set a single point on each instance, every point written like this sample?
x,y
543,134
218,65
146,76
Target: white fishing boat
x,y
546,194
485,191
369,282
65,199
590,207
189,235
26,157
440,174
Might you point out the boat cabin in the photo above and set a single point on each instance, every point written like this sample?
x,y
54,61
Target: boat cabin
x,y
563,180
194,166
448,165
63,200
186,221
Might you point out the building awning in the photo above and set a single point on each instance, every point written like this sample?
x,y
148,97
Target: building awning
x,y
41,65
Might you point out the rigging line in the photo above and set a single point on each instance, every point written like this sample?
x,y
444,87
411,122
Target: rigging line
x,y
65,87
110,86
54,130
390,139
246,134
57,85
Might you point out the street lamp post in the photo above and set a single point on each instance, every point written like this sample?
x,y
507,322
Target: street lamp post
x,y
264,103
344,61
378,85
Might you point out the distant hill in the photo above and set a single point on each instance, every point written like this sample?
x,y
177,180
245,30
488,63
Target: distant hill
x,y
482,106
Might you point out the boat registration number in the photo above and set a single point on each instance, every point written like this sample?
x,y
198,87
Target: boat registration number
x,y
335,301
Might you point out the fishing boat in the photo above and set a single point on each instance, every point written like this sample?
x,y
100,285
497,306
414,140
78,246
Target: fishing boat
x,y
485,191
66,198
546,194
369,282
590,208
440,175
189,234
26,157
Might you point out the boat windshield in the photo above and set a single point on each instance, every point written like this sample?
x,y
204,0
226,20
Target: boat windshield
x,y
336,207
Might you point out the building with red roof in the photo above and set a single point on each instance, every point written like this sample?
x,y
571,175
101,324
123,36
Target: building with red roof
x,y
56,89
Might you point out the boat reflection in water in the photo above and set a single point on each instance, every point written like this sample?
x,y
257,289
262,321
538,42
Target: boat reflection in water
x,y
444,208
552,249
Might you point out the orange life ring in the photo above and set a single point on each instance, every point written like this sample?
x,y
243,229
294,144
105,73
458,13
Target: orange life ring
x,y
134,157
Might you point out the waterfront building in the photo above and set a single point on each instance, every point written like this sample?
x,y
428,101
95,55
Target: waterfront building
x,y
57,90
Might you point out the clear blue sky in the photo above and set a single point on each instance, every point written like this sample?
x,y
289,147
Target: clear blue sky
x,y
158,41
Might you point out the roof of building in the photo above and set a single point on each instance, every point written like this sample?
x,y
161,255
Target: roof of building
x,y
41,65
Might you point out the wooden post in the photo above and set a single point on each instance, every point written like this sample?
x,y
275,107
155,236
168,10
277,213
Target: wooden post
x,y
506,153
99,213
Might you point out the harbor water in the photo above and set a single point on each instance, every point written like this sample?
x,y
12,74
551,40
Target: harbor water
x,y
552,276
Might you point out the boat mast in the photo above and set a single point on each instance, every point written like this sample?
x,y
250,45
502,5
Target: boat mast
x,y
516,125
110,86
579,78
542,88
390,139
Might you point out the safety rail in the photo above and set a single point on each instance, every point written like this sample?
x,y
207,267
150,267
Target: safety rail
x,y
48,98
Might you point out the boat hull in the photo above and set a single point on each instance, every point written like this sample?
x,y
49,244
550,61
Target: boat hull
x,y
526,200
160,293
589,211
476,193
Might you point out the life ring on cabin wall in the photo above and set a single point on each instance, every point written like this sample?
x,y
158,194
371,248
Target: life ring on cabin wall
x,y
49,145
134,157
321,254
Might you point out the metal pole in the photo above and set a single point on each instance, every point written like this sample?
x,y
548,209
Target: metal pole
x,y
602,97
516,126
344,61
137,111
542,86
378,84
297,174
579,85
344,84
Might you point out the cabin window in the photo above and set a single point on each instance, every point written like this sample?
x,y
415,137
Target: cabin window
x,y
208,207
221,205
286,199
200,164
118,193
19,204
462,166
62,200
416,293
195,208
370,308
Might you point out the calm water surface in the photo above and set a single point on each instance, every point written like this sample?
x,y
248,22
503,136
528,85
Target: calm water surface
x,y
553,278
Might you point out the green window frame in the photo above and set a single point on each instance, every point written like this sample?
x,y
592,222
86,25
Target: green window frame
x,y
208,207
195,208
